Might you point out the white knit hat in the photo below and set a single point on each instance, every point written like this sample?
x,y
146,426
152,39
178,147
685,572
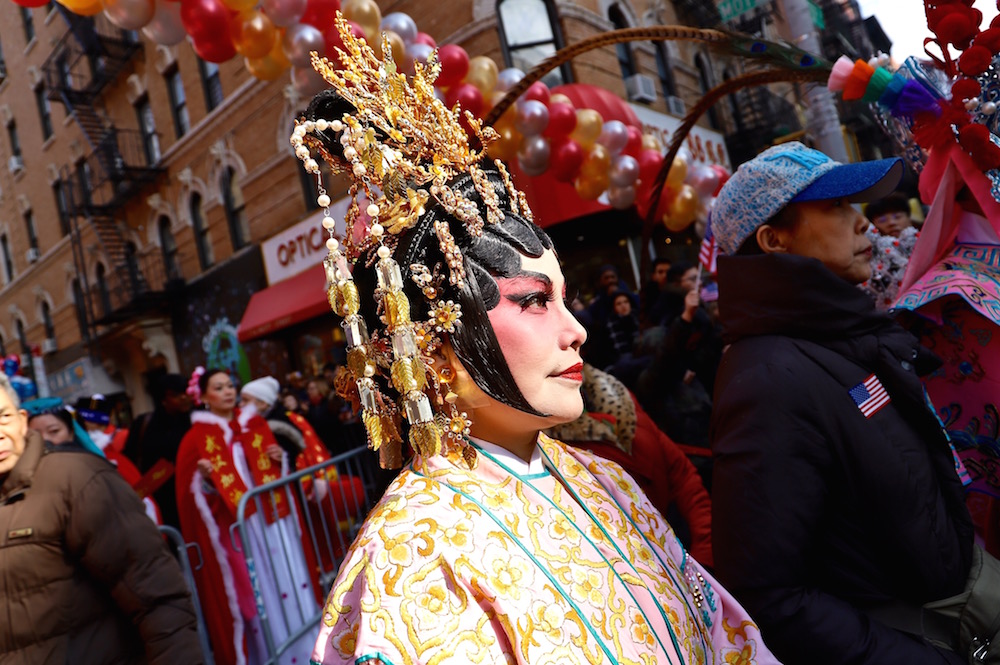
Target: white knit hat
x,y
265,389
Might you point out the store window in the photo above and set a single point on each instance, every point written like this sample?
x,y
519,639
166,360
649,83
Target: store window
x,y
706,80
44,111
626,58
236,216
50,328
210,84
530,33
178,101
147,127
168,245
202,240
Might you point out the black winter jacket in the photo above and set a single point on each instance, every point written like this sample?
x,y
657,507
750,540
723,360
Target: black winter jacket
x,y
819,511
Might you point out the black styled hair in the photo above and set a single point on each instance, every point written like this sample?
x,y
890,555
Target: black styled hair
x,y
494,254
895,202
659,261
167,383
677,270
209,373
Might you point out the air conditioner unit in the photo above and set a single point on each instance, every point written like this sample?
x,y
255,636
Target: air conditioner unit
x,y
49,345
676,106
640,88
15,163
33,254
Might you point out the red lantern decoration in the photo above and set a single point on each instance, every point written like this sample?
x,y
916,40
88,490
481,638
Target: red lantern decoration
x,y
467,96
562,120
566,158
454,66
320,15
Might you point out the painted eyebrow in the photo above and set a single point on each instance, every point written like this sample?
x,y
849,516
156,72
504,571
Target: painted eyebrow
x,y
528,275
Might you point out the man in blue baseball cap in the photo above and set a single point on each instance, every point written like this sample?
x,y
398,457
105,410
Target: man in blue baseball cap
x,y
837,508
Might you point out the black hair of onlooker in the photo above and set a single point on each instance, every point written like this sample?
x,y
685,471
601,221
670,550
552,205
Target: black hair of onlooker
x,y
677,270
895,202
658,261
167,383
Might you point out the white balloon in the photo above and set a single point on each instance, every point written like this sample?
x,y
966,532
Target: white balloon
x,y
299,40
129,14
166,27
401,24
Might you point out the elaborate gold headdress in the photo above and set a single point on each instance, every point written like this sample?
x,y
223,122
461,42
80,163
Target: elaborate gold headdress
x,y
402,147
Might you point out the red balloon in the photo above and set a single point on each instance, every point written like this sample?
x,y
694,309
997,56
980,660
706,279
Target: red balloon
x,y
320,15
566,158
206,21
31,3
424,38
634,144
539,91
562,120
216,49
454,65
333,40
467,96
724,176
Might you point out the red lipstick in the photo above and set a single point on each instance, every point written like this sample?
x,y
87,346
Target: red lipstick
x,y
574,373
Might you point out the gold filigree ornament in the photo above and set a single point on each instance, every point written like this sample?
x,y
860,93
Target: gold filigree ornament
x,y
401,147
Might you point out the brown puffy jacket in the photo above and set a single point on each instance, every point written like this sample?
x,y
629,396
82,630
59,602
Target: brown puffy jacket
x,y
84,575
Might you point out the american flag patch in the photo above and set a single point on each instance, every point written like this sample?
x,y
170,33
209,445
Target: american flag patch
x,y
870,396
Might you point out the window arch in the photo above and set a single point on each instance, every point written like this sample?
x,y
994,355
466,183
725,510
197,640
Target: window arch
x,y
50,328
202,241
103,294
529,33
168,245
626,58
232,199
80,305
705,79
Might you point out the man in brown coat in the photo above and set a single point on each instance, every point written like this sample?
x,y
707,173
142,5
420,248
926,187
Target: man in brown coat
x,y
84,575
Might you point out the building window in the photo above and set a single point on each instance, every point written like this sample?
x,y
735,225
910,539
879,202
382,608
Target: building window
x,y
80,304
210,84
232,198
626,59
50,328
102,290
529,33
44,111
178,102
28,23
8,261
135,278
734,103
705,78
665,70
62,207
15,141
147,126
169,247
201,238
84,180
29,224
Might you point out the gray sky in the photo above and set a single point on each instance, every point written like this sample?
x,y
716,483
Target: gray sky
x,y
906,25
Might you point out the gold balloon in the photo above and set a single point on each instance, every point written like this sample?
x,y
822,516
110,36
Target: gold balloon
x,y
396,44
240,5
366,14
683,209
559,98
277,53
483,74
678,172
650,142
590,187
505,148
597,162
83,7
253,34
588,127
265,69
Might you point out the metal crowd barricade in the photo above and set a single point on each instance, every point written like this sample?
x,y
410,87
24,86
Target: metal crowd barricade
x,y
180,548
323,527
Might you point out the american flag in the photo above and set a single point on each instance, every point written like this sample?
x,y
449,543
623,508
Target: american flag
x,y
870,396
708,252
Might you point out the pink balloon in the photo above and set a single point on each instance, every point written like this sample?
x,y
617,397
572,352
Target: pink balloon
x,y
454,65
467,96
634,144
320,14
566,159
424,38
539,91
207,21
562,120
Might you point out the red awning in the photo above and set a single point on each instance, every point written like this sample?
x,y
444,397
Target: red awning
x,y
552,201
286,303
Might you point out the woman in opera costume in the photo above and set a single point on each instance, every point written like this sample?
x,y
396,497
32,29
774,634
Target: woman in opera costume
x,y
227,452
495,544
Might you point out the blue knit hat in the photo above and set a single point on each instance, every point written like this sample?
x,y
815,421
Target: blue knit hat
x,y
791,173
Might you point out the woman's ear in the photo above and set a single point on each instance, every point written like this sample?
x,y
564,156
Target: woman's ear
x,y
446,364
771,240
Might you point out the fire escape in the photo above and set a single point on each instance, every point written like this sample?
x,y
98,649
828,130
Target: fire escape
x,y
90,56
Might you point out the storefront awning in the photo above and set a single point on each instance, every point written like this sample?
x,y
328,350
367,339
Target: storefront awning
x,y
286,303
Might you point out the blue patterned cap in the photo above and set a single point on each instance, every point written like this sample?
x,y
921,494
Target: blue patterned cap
x,y
791,173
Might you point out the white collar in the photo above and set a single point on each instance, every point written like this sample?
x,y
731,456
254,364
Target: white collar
x,y
512,461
